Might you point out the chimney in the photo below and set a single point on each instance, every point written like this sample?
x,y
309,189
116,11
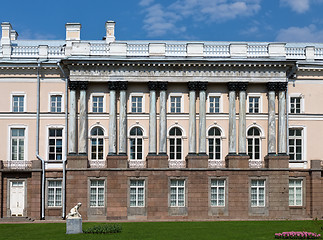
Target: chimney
x,y
73,31
13,35
6,30
109,26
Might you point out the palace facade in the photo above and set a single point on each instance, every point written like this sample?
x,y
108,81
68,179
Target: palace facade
x,y
160,130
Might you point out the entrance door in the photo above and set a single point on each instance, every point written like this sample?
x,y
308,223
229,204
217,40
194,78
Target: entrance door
x,y
17,198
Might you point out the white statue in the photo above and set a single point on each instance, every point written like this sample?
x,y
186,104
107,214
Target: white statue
x,y
74,212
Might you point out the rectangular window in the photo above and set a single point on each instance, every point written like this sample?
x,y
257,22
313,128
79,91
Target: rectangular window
x,y
18,103
54,193
137,193
97,193
214,104
257,193
295,105
217,192
175,104
56,103
295,144
177,193
295,192
55,144
254,104
97,104
17,144
136,104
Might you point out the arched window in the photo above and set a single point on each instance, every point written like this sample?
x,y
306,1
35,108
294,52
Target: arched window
x,y
214,139
175,144
97,140
136,139
253,138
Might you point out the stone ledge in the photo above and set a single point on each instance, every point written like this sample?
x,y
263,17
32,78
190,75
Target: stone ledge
x,y
157,161
117,161
197,161
276,161
77,161
237,161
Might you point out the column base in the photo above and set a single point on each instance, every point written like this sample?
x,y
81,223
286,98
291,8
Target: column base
x,y
197,161
115,161
77,161
237,161
157,161
277,161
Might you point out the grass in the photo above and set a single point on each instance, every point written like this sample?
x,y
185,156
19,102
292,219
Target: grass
x,y
164,230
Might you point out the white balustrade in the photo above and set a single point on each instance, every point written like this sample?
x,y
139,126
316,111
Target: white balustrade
x,y
177,164
17,164
176,50
97,163
255,51
295,52
137,50
99,49
56,51
28,51
216,51
216,164
137,164
255,164
318,53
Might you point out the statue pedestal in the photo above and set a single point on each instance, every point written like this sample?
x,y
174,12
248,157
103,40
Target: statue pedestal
x,y
74,225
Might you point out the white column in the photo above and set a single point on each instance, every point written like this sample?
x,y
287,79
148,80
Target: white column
x,y
282,144
232,117
123,118
271,86
83,119
242,118
202,118
152,118
113,119
192,86
72,121
162,118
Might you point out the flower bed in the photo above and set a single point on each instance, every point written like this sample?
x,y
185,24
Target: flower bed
x,y
297,235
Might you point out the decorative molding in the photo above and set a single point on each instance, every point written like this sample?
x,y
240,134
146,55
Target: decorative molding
x,y
282,86
162,86
271,86
193,86
83,85
113,85
123,85
202,86
152,86
233,86
243,86
72,85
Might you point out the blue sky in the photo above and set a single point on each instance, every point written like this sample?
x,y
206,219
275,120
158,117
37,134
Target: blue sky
x,y
196,20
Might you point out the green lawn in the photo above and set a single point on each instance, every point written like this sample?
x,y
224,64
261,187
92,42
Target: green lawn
x,y
243,230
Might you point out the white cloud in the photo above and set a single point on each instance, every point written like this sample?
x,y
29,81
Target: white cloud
x,y
298,34
299,6
160,19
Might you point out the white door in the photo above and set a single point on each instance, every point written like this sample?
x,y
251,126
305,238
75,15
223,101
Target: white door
x,y
17,198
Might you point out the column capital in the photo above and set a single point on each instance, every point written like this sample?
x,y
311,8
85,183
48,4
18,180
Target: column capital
x,y
83,85
233,86
113,85
72,85
282,86
123,85
243,86
162,86
192,86
152,86
271,86
202,86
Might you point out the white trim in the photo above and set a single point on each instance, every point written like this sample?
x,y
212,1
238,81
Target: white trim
x,y
144,132
297,95
260,140
105,138
222,137
142,144
137,94
169,101
137,194
50,94
179,126
262,131
98,94
47,140
12,94
304,142
302,191
219,95
260,102
25,140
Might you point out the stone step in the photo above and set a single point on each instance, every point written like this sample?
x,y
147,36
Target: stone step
x,y
16,219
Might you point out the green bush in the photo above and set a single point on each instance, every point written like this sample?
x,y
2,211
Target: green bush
x,y
104,228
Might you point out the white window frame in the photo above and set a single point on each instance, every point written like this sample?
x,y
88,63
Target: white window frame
x,y
130,102
181,95
50,103
304,143
104,102
294,187
217,188
182,142
136,137
90,142
177,187
22,94
25,141
47,139
253,145
55,193
219,95
302,102
97,193
136,188
258,187
212,137
255,95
